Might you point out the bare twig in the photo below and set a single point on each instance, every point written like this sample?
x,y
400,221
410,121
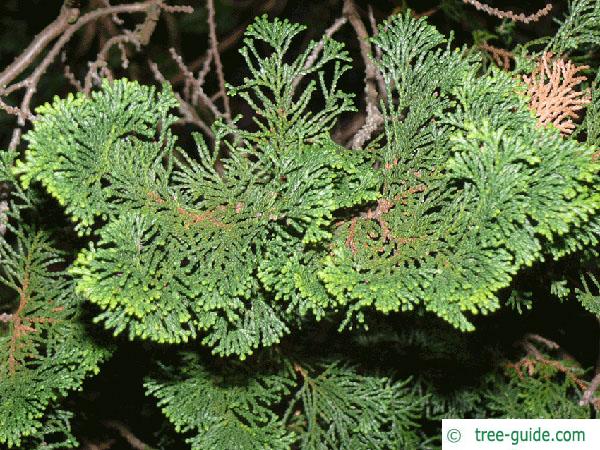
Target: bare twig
x,y
205,68
173,9
588,394
344,132
60,31
509,14
214,48
145,30
13,110
34,78
101,59
200,62
115,18
15,139
60,27
225,43
501,57
39,43
131,438
196,86
550,344
69,75
374,118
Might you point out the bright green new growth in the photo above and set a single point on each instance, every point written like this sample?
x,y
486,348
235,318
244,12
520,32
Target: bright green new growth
x,y
90,138
464,191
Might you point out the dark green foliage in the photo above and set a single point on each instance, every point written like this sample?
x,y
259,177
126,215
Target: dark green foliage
x,y
342,409
530,395
223,410
529,389
55,432
580,29
45,349
328,406
592,123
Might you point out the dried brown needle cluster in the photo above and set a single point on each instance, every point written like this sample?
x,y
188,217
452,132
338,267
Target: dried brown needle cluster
x,y
500,56
554,90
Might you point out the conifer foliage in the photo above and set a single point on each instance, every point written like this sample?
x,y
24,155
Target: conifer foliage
x,y
464,191
45,349
284,253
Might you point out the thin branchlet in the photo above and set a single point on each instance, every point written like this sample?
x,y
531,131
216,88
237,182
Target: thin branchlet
x,y
502,14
